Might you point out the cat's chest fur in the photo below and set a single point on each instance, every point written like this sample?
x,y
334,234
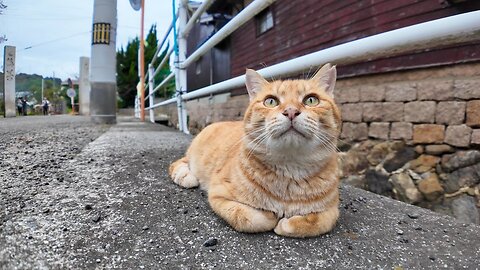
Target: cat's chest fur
x,y
287,187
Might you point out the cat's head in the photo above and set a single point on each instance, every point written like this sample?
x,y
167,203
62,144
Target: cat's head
x,y
292,114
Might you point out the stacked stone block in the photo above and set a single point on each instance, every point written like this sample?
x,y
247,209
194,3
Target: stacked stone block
x,y
428,111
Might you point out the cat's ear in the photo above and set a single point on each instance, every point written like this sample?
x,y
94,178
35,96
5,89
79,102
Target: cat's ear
x,y
254,82
326,78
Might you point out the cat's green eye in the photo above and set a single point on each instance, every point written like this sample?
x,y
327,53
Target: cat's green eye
x,y
311,101
270,102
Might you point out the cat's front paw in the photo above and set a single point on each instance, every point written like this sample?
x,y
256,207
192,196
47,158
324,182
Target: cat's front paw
x,y
313,224
285,228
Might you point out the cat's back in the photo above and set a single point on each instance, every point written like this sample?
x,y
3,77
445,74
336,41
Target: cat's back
x,y
221,134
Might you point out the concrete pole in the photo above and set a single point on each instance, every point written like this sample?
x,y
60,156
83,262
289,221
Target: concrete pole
x,y
9,81
84,86
103,85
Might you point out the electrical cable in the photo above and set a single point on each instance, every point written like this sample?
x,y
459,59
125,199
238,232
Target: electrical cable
x,y
53,40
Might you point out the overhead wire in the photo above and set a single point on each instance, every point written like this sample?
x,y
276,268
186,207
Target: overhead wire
x,y
54,40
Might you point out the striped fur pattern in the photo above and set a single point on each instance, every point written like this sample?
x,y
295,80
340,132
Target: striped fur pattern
x,y
276,170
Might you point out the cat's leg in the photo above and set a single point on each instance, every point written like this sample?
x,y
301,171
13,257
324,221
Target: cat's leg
x,y
242,217
309,225
181,174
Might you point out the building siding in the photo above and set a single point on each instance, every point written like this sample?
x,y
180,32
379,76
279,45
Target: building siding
x,y
302,27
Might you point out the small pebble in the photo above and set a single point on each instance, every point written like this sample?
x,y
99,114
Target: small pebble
x,y
194,230
98,260
413,215
96,218
210,242
399,232
145,228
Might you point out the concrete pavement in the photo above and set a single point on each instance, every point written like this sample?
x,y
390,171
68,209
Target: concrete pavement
x,y
116,207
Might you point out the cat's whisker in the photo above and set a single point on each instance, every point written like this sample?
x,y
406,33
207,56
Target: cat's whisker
x,y
248,134
257,141
326,142
257,144
329,140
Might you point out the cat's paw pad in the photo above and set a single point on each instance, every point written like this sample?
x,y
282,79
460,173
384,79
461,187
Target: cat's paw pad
x,y
183,177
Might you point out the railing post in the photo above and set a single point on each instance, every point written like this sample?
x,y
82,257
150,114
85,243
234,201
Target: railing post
x,y
150,92
136,110
181,73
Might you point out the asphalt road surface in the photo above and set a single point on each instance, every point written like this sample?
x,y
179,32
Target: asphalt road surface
x,y
74,195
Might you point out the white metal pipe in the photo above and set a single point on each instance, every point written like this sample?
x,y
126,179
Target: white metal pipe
x,y
164,60
245,15
150,93
160,45
181,74
195,16
163,103
445,31
168,78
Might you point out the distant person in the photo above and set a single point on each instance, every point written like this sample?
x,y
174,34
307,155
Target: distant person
x,y
45,104
24,105
19,106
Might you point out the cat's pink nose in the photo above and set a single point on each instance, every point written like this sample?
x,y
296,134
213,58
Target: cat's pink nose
x,y
291,113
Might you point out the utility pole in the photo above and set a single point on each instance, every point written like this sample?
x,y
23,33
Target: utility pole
x,y
103,81
43,86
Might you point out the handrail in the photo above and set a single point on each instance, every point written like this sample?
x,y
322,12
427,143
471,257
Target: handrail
x,y
159,47
445,31
164,60
245,15
168,78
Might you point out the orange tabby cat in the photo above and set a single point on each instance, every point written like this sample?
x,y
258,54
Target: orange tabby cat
x,y
276,170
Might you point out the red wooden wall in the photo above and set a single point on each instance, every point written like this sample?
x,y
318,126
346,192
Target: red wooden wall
x,y
305,26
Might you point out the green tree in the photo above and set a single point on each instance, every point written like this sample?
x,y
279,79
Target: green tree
x,y
127,68
2,7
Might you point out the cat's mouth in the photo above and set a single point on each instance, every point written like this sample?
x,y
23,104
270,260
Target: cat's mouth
x,y
292,130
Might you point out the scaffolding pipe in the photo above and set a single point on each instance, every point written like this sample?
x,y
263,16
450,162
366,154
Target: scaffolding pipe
x,y
245,15
195,17
446,31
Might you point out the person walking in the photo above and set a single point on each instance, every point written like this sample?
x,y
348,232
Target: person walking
x,y
45,104
19,106
24,105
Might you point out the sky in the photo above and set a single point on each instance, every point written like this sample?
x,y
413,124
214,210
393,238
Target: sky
x,y
59,31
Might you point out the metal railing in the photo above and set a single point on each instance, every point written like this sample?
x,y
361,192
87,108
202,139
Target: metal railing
x,y
446,31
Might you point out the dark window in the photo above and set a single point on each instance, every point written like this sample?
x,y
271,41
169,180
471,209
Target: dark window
x,y
265,21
